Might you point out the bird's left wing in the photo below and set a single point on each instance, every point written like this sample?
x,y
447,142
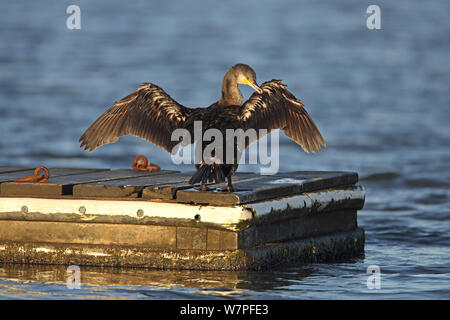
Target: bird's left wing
x,y
277,108
149,113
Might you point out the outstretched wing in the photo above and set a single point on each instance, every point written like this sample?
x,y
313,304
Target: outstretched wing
x,y
277,108
149,113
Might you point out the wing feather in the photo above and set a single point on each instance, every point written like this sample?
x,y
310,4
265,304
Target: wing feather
x,y
149,113
277,108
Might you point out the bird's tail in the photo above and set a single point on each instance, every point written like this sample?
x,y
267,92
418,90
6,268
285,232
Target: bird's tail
x,y
208,173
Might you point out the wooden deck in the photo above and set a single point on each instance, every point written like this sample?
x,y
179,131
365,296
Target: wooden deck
x,y
140,219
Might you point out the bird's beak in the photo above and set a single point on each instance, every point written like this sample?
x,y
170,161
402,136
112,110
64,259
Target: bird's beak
x,y
253,85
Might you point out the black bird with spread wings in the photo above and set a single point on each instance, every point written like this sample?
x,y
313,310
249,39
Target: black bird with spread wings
x,y
150,113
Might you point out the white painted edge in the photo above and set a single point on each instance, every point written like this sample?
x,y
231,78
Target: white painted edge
x,y
307,200
225,216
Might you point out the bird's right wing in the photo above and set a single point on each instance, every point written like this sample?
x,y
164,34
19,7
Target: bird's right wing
x,y
149,113
277,108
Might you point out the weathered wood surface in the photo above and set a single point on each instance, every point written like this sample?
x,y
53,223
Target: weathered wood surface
x,y
133,187
257,188
169,189
170,185
59,185
126,235
15,172
9,187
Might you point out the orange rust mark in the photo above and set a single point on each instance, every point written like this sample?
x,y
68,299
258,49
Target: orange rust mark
x,y
36,177
141,163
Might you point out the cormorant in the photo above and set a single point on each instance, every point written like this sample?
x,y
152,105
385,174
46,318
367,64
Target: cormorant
x,y
150,113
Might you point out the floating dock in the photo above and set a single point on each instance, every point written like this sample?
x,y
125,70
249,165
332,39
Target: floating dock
x,y
127,218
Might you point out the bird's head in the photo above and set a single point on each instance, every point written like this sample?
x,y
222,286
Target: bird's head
x,y
245,75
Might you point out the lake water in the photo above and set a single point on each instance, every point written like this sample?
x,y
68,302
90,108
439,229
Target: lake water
x,y
381,99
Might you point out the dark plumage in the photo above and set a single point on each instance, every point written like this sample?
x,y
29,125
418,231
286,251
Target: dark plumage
x,y
150,113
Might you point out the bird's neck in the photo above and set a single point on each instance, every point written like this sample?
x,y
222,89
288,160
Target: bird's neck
x,y
230,93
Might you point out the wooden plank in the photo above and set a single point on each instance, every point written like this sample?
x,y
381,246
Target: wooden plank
x,y
191,238
6,178
221,240
63,185
54,172
260,188
120,211
13,169
153,237
169,189
106,234
130,187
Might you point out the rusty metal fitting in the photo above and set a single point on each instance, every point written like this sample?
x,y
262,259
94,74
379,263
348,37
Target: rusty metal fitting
x,y
141,163
36,177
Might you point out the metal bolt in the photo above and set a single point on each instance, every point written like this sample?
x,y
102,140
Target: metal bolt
x,y
140,213
197,217
82,210
24,209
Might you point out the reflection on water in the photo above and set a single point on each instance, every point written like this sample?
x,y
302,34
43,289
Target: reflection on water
x,y
107,282
380,99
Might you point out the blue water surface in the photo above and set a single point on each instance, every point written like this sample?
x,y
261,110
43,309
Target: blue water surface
x,y
381,99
